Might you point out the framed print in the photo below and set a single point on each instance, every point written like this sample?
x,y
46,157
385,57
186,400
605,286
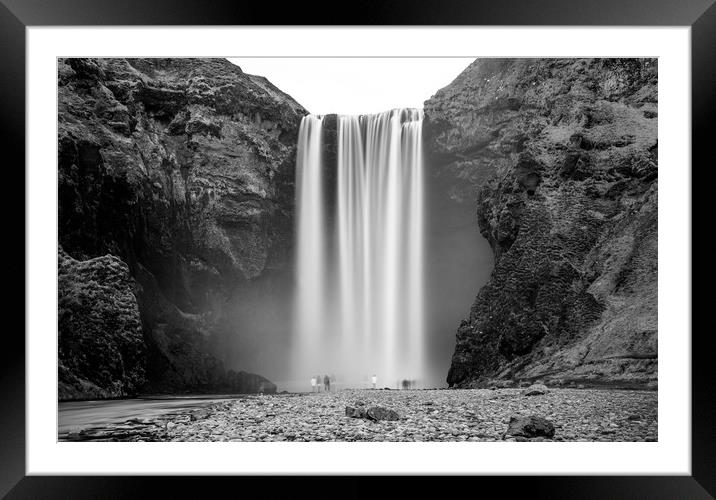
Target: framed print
x,y
426,242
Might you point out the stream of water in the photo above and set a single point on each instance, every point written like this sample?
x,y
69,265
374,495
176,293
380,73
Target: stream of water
x,y
76,415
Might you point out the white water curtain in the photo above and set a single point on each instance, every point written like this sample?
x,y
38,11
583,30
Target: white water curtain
x,y
359,303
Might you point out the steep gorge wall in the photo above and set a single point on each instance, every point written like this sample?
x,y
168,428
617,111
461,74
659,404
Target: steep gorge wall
x,y
559,157
182,171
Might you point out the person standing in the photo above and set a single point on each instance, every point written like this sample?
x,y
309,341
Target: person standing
x,y
327,383
318,383
374,379
313,384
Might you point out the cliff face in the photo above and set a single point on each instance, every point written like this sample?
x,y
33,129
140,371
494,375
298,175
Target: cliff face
x,y
560,158
183,170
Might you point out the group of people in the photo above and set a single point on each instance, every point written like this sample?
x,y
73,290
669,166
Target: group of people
x,y
408,384
318,383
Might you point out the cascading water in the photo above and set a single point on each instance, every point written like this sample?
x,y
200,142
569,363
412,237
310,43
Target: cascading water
x,y
360,291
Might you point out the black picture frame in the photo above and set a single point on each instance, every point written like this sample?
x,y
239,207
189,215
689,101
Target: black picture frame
x,y
700,15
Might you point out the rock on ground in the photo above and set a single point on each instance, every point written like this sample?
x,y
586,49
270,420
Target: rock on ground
x,y
377,413
355,412
535,390
529,427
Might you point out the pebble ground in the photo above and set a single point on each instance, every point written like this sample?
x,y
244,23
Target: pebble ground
x,y
425,415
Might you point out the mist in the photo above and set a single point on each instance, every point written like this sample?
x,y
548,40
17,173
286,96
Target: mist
x,y
459,261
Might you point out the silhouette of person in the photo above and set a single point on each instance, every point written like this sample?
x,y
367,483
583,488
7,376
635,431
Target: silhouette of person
x,y
374,379
327,383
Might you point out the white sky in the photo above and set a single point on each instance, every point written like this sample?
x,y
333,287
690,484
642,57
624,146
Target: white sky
x,y
356,85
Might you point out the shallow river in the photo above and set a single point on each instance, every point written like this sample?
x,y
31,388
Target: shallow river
x,y
76,415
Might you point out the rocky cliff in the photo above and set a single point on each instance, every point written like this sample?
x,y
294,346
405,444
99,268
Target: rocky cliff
x,y
559,157
180,172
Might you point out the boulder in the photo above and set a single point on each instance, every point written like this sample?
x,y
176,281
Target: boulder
x,y
535,390
355,412
529,427
377,413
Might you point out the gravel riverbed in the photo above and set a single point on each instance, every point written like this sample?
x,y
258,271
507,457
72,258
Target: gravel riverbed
x,y
424,415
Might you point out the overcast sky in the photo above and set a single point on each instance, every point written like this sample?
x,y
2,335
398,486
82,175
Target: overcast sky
x,y
356,85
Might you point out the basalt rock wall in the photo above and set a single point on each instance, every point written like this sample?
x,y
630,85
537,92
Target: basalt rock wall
x,y
181,172
559,159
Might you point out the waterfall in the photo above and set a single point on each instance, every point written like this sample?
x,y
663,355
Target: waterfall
x,y
310,266
359,269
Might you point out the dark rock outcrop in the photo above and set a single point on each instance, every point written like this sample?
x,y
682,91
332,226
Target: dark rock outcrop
x,y
560,158
101,350
182,169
